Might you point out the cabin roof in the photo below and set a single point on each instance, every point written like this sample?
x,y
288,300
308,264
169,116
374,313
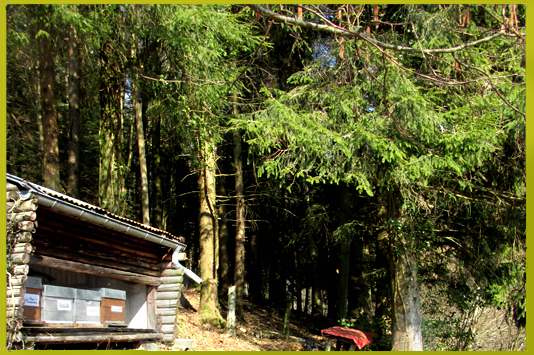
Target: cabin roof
x,y
97,215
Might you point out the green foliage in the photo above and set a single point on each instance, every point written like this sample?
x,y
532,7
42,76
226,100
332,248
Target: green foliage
x,y
345,323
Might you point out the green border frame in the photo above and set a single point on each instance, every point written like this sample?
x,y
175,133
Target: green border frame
x,y
3,108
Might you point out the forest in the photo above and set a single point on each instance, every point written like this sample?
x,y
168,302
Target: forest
x,y
361,164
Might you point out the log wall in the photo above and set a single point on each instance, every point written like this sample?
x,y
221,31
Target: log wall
x,y
167,299
21,224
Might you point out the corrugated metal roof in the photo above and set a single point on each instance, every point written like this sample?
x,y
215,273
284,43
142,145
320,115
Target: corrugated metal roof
x,y
16,180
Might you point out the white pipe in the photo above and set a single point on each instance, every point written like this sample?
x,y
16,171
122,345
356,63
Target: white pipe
x,y
176,264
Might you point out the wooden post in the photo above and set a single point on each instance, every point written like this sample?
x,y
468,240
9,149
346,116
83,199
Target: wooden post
x,y
230,325
328,345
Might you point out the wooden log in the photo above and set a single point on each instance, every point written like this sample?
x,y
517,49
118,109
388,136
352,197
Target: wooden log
x,y
168,337
16,291
167,328
171,279
73,256
20,269
173,272
14,302
21,237
167,259
14,312
92,338
18,280
168,320
16,337
167,265
168,295
22,216
26,226
28,205
114,247
166,311
12,195
87,250
11,187
169,287
43,260
19,258
166,303
22,248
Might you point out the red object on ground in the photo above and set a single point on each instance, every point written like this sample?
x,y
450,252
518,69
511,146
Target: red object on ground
x,y
359,337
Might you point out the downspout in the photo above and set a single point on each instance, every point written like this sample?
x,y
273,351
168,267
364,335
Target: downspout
x,y
176,264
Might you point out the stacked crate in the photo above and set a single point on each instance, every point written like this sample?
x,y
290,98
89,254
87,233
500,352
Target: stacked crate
x,y
113,306
87,307
58,304
32,300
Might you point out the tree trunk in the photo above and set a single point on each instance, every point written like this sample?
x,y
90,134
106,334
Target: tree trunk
x,y
406,325
110,131
48,104
224,262
157,190
73,181
287,315
317,303
382,295
145,203
254,270
239,273
344,255
360,303
405,307
209,312
343,283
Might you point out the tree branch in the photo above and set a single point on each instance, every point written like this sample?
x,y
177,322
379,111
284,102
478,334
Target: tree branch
x,y
355,34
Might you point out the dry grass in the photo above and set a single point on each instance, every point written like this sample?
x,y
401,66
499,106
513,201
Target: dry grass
x,y
257,332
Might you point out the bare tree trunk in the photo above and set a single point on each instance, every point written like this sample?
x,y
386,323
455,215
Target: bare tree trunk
x,y
239,273
48,104
343,285
316,300
344,256
145,203
406,325
110,175
139,113
209,312
40,118
224,261
157,210
73,182
254,269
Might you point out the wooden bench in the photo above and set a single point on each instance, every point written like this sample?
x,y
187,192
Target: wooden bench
x,y
352,337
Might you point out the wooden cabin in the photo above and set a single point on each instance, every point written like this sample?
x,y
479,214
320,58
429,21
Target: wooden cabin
x,y
119,279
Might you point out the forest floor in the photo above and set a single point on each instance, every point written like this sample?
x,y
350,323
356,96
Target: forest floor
x,y
260,330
